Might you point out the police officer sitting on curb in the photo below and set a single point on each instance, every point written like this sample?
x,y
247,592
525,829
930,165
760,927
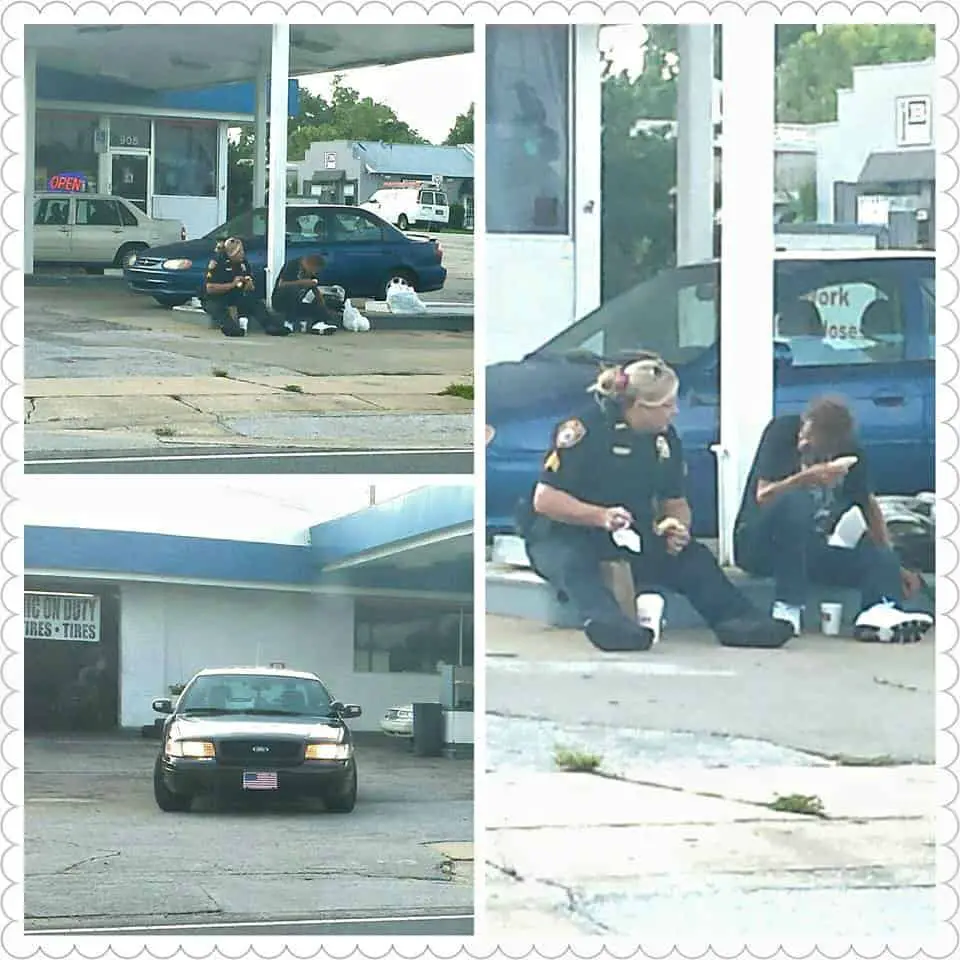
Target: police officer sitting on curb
x,y
297,299
620,465
808,472
228,293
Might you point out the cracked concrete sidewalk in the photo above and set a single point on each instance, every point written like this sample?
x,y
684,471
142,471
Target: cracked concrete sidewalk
x,y
741,796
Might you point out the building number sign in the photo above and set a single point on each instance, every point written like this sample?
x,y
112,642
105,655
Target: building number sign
x,y
128,140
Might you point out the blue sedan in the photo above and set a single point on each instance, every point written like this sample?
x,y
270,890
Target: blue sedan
x,y
847,322
362,252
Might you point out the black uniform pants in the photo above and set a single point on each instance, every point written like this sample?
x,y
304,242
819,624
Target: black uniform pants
x,y
570,562
296,311
246,305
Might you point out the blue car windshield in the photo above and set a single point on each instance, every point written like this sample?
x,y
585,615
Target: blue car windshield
x,y
674,313
255,693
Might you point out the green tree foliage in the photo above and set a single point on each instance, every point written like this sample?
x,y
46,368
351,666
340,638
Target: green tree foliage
x,y
819,64
462,129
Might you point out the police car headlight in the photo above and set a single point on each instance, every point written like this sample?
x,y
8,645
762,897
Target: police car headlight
x,y
328,751
194,749
178,264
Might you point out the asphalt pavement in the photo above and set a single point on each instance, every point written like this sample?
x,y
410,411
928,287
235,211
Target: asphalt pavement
x,y
184,460
99,854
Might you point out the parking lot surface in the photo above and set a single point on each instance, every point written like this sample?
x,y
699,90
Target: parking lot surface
x,y
109,370
98,851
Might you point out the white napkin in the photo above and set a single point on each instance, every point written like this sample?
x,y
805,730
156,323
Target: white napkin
x,y
628,538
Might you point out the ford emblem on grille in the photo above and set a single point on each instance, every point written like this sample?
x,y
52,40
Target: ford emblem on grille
x,y
260,749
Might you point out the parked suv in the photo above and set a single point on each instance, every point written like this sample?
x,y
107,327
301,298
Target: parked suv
x,y
856,323
95,230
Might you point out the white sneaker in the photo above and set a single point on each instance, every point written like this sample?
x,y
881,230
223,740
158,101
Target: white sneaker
x,y
288,326
788,613
887,623
322,328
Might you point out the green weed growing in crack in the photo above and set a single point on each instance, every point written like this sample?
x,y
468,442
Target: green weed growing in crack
x,y
220,372
462,390
844,760
165,431
293,388
576,761
810,805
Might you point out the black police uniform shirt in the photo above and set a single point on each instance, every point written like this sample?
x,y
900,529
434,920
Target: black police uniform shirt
x,y
221,269
778,457
598,459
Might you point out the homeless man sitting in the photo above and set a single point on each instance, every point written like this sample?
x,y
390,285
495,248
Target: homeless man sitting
x,y
809,473
297,299
228,295
617,466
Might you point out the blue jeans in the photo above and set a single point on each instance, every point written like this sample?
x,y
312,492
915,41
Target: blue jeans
x,y
782,542
570,562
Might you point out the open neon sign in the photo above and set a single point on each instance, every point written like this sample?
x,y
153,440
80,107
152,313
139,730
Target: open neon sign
x,y
68,182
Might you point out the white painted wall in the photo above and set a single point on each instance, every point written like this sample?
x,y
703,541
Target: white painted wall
x,y
198,214
537,285
170,631
867,123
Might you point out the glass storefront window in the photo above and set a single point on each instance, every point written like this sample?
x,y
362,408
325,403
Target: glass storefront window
x,y
185,159
528,119
65,144
129,132
392,636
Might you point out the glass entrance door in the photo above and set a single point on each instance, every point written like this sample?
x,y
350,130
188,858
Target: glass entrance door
x,y
129,178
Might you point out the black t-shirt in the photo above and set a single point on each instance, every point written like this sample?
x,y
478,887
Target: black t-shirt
x,y
597,458
287,298
221,269
778,457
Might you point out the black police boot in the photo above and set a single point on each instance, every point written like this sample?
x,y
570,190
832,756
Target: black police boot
x,y
754,630
616,637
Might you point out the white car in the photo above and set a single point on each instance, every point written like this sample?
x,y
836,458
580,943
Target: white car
x,y
398,721
95,230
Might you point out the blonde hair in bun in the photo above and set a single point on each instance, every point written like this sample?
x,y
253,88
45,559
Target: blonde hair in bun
x,y
647,380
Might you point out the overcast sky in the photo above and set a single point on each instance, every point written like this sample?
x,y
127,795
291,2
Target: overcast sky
x,y
269,509
430,94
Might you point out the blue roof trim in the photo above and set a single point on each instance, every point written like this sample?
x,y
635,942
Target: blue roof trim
x,y
420,513
227,98
162,555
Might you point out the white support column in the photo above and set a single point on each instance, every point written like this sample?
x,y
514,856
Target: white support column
x,y
223,170
695,144
29,150
586,166
276,208
746,304
260,138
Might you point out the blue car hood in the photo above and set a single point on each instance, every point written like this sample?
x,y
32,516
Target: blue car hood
x,y
198,250
537,386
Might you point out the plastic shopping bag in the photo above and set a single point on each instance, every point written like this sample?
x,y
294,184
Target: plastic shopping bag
x,y
353,319
402,298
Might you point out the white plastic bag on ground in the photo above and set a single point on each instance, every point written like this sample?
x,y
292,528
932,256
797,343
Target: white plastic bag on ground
x,y
402,298
354,320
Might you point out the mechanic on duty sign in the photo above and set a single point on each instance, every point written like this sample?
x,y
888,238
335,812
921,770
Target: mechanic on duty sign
x,y
61,616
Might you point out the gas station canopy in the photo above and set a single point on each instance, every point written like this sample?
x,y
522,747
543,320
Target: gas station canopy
x,y
185,57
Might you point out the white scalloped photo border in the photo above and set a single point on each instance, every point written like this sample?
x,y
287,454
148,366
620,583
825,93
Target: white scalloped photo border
x,y
12,20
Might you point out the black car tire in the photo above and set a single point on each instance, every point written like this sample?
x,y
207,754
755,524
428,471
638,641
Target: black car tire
x,y
169,300
400,273
402,222
125,251
168,801
344,798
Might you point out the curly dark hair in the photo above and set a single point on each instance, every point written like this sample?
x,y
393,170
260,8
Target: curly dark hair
x,y
831,420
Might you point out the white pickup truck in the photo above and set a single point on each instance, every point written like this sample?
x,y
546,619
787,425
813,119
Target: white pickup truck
x,y
95,230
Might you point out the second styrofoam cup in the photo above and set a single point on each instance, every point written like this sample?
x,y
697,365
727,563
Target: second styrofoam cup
x,y
831,617
650,613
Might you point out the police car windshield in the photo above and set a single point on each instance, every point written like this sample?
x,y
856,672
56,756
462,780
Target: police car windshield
x,y
673,313
255,694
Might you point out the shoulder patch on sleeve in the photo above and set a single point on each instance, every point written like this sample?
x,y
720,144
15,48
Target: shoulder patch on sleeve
x,y
570,433
211,264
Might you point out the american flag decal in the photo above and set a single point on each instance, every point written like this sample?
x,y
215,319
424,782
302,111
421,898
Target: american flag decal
x,y
259,781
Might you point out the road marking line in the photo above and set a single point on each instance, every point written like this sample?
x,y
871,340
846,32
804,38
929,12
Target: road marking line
x,y
238,924
255,456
